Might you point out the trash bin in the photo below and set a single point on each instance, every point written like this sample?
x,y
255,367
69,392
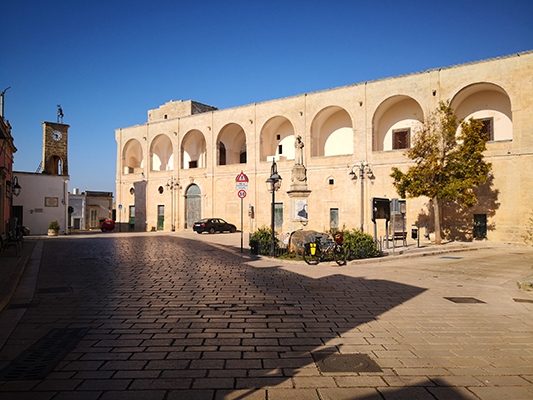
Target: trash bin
x,y
414,233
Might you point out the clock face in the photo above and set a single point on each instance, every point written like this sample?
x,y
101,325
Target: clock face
x,y
56,135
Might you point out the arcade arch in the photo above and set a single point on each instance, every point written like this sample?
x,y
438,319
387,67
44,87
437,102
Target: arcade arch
x,y
277,139
332,133
231,145
489,103
162,154
193,150
394,121
132,157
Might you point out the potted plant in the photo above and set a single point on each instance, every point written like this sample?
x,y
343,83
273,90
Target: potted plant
x,y
53,228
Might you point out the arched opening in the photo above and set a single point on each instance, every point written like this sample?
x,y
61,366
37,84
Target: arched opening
x,y
332,133
488,103
221,154
277,139
193,205
193,150
231,144
162,154
394,122
55,165
132,157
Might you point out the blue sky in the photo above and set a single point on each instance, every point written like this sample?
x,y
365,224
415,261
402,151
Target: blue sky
x,y
108,62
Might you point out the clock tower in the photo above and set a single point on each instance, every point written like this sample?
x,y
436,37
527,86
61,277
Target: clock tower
x,y
55,156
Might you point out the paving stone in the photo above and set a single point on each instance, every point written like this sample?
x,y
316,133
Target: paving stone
x,y
349,394
163,321
135,395
250,394
503,393
292,394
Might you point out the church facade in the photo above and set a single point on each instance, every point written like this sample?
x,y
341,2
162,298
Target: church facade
x,y
334,150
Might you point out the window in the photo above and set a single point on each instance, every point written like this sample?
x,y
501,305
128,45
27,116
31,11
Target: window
x,y
193,164
278,137
334,219
280,149
331,181
160,189
400,139
487,128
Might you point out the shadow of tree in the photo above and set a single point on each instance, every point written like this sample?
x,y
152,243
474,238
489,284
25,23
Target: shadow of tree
x,y
458,221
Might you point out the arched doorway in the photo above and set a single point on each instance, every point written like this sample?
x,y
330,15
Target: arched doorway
x,y
193,205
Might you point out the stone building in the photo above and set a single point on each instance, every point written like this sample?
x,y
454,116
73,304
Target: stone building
x,y
182,164
7,180
44,196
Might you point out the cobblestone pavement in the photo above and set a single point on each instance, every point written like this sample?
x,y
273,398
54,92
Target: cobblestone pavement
x,y
170,317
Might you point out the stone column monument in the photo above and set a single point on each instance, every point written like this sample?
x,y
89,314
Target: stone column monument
x,y
299,191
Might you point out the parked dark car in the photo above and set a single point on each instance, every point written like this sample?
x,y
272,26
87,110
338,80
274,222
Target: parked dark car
x,y
107,225
213,225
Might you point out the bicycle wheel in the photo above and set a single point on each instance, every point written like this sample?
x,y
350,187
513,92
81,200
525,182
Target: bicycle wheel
x,y
311,253
339,255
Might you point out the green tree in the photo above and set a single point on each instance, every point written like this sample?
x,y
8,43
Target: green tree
x,y
447,166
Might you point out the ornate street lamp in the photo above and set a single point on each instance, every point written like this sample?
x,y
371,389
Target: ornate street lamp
x,y
16,187
172,184
363,167
273,184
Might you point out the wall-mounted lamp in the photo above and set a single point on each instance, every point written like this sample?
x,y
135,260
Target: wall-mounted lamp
x,y
16,187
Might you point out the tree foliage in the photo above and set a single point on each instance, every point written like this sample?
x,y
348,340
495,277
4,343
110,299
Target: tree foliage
x,y
447,165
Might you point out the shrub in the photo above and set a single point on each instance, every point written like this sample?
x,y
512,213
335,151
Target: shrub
x,y
260,241
54,226
358,245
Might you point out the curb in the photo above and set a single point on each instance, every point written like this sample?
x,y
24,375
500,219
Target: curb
x,y
15,276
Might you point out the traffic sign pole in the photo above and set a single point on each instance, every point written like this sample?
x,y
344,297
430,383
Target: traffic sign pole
x,y
241,182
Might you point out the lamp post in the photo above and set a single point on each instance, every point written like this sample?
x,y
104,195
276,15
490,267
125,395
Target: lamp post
x,y
273,184
171,184
363,167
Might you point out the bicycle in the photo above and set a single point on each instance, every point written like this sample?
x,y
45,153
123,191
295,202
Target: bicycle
x,y
314,253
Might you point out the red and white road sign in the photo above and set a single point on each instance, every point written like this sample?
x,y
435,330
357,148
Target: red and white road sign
x,y
241,177
242,182
241,194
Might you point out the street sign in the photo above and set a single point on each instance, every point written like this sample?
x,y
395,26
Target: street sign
x,y
241,194
241,177
242,181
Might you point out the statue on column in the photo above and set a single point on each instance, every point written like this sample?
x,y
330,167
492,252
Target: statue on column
x,y
299,172
298,151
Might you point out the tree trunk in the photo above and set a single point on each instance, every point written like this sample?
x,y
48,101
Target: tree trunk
x,y
436,212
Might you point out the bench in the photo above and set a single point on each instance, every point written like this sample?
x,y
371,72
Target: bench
x,y
400,235
11,239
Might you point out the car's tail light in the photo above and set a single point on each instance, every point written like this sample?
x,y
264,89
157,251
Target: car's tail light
x,y
203,225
